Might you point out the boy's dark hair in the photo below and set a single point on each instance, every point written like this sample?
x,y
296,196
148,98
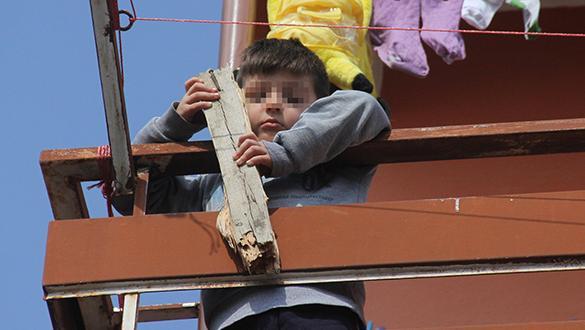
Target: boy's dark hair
x,y
268,56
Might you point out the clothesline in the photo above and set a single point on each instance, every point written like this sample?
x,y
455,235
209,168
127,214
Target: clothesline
x,y
357,27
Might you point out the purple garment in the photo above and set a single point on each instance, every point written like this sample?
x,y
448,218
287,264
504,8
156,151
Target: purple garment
x,y
403,50
443,14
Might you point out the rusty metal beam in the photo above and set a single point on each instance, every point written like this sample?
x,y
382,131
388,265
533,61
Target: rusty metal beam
x,y
404,145
468,236
65,314
471,141
104,28
65,192
171,158
96,312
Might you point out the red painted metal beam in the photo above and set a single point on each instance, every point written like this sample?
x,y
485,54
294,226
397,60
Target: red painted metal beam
x,y
347,236
505,301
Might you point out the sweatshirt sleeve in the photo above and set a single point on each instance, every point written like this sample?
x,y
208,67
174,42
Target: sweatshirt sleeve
x,y
167,193
170,127
328,127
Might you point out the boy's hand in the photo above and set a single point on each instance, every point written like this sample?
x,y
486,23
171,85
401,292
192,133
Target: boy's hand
x,y
197,97
252,152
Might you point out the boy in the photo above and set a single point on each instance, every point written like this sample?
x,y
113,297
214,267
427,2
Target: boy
x,y
297,128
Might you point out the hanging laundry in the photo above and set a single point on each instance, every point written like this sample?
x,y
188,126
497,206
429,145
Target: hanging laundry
x,y
400,50
479,13
530,12
443,14
403,50
344,51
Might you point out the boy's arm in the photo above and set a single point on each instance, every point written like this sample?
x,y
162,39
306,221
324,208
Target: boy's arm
x,y
170,127
177,124
183,119
162,190
328,127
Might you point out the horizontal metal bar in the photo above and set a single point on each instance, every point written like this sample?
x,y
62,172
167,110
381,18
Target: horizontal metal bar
x,y
164,312
490,267
403,145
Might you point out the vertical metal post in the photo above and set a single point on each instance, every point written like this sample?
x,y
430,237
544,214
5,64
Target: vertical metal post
x,y
130,314
141,193
113,94
234,38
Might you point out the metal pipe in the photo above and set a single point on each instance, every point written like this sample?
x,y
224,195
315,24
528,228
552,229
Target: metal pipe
x,y
235,38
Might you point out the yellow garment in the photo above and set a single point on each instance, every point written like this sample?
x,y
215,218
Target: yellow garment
x,y
345,52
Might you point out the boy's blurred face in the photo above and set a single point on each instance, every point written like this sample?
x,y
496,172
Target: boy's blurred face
x,y
276,101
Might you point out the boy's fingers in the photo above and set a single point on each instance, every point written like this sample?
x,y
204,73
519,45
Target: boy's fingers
x,y
201,96
248,136
190,82
247,143
200,87
243,146
242,150
254,150
260,160
198,106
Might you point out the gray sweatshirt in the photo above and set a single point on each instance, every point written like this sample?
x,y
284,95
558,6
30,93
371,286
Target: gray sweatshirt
x,y
328,127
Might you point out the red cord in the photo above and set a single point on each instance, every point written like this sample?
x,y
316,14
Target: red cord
x,y
133,9
375,28
104,157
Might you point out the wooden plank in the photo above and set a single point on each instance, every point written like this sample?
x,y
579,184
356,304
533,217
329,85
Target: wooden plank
x,y
243,222
130,312
113,94
475,234
403,145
